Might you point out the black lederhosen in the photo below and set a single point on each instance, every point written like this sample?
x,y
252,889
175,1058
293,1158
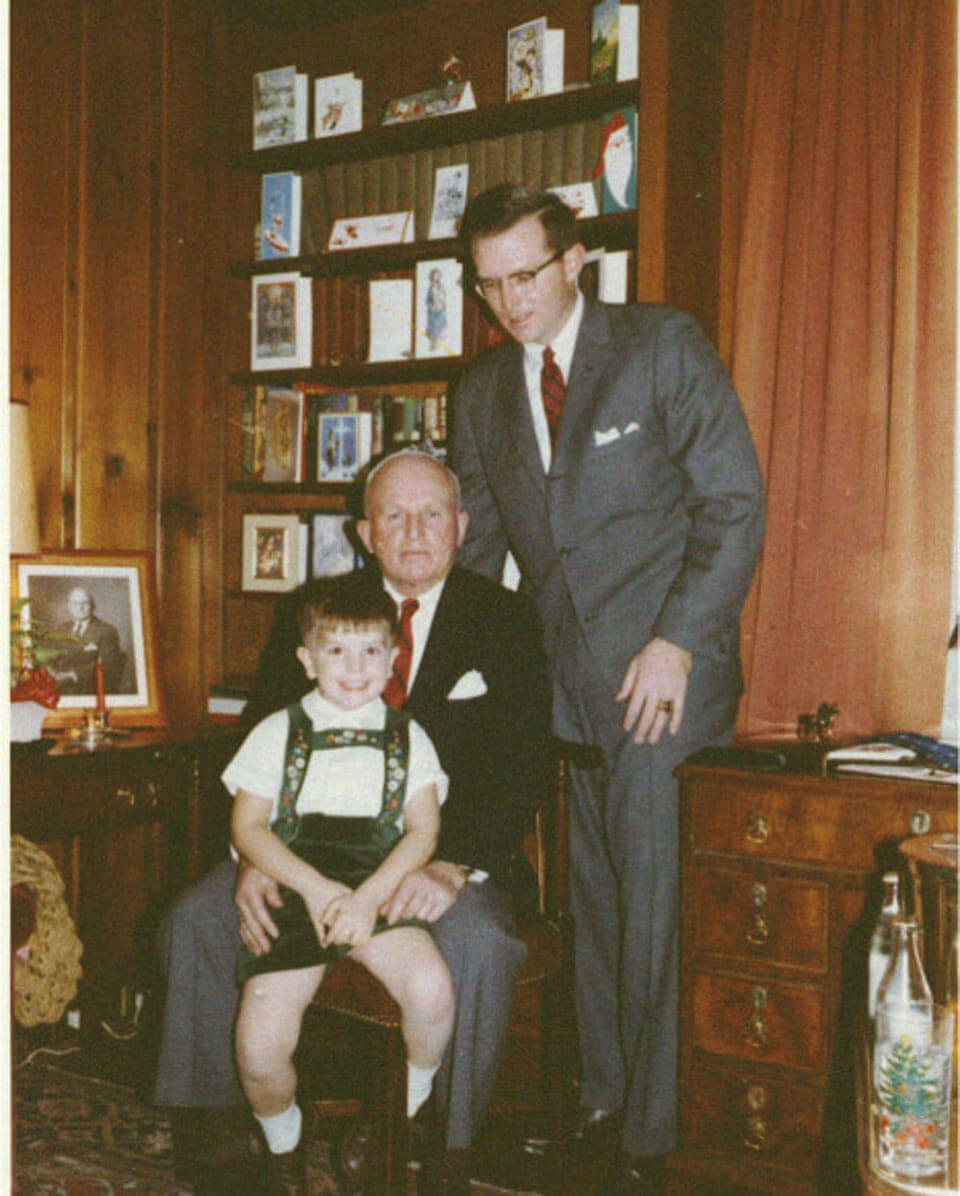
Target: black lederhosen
x,y
342,848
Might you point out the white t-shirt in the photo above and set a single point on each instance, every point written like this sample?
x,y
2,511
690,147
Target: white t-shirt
x,y
342,781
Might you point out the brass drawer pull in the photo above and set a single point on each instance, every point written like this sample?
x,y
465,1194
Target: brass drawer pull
x,y
757,1025
758,830
147,799
755,1137
920,822
759,932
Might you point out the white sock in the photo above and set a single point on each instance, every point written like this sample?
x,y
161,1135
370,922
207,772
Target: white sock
x,y
419,1083
282,1130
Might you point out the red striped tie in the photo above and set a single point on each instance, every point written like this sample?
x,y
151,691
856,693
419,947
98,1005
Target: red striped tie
x,y
553,390
395,691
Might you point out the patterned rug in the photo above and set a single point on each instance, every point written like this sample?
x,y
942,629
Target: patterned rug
x,y
79,1136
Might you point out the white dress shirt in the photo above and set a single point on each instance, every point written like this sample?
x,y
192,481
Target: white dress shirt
x,y
563,346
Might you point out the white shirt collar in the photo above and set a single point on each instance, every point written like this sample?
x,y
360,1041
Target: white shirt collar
x,y
563,344
428,600
324,714
422,622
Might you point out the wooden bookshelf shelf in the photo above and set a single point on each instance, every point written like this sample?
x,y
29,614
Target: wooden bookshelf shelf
x,y
575,104
361,373
335,491
614,231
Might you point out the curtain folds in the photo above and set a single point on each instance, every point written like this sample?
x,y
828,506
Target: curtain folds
x,y
843,351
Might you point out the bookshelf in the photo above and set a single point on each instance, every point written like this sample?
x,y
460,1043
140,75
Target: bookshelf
x,y
545,142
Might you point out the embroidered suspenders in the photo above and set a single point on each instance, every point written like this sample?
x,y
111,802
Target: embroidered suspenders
x,y
302,741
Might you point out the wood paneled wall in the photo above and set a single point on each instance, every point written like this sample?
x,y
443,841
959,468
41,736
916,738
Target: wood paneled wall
x,y
125,216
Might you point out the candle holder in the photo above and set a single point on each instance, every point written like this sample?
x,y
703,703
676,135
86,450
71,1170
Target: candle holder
x,y
95,727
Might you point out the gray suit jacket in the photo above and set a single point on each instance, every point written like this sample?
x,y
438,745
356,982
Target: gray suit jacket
x,y
651,515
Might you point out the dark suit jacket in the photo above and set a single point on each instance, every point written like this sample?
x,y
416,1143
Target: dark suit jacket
x,y
651,515
100,641
496,748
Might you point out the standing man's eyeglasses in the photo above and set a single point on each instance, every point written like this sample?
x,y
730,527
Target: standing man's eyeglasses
x,y
522,282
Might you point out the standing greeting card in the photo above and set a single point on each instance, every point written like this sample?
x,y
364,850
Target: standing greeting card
x,y
534,60
439,308
449,200
280,202
616,165
281,332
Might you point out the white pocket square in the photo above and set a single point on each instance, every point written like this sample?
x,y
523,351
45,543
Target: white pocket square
x,y
605,437
633,426
470,685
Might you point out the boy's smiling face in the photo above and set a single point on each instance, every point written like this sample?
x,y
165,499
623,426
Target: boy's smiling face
x,y
350,665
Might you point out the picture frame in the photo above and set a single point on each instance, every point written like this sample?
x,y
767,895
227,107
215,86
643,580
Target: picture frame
x,y
272,552
116,625
332,551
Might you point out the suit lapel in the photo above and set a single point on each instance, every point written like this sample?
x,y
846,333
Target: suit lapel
x,y
594,351
517,419
439,658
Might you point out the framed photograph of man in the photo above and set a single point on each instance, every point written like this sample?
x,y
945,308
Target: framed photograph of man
x,y
103,606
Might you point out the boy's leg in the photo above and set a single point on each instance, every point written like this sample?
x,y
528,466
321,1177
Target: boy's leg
x,y
406,961
268,1030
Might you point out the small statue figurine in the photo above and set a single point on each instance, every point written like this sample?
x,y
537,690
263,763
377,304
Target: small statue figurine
x,y
451,69
820,725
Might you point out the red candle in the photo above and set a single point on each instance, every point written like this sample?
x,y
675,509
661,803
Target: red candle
x,y
101,693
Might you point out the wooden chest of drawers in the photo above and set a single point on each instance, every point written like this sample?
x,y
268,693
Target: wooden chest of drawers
x,y
780,889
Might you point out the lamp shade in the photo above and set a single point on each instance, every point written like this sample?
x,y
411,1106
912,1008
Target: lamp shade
x,y
24,521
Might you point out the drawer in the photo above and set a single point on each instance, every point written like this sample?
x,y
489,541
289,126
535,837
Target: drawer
x,y
834,822
763,1021
752,916
753,1119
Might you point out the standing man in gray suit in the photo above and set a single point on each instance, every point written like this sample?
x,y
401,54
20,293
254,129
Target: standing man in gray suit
x,y
607,451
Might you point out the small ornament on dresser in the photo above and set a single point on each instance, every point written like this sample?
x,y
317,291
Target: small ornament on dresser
x,y
818,726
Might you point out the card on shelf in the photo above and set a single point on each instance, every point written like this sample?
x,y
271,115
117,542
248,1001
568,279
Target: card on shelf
x,y
391,319
581,198
534,60
284,431
343,445
331,549
358,232
449,200
436,101
281,325
439,325
614,32
280,207
279,107
616,165
337,105
274,552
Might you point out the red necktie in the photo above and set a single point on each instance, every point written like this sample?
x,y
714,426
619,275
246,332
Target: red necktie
x,y
553,390
395,691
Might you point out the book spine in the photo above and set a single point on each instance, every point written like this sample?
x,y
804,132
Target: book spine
x,y
335,322
513,158
552,163
574,167
532,142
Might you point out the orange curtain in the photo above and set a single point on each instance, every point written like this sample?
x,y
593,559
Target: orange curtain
x,y
843,350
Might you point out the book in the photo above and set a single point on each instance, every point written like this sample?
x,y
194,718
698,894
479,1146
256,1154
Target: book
x,y
343,445
616,165
581,198
391,319
449,200
614,33
284,432
439,308
281,323
280,207
534,60
252,449
337,105
435,101
357,232
279,107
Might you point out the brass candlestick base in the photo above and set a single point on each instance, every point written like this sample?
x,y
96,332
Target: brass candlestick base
x,y
95,728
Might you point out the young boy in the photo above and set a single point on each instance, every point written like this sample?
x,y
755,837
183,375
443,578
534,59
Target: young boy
x,y
338,798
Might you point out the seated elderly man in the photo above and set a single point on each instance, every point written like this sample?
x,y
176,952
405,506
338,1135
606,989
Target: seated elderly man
x,y
477,683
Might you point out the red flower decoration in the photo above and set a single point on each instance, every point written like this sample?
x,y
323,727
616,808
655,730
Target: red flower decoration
x,y
36,685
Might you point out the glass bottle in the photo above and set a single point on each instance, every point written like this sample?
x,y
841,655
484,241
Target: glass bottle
x,y
904,995
881,942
